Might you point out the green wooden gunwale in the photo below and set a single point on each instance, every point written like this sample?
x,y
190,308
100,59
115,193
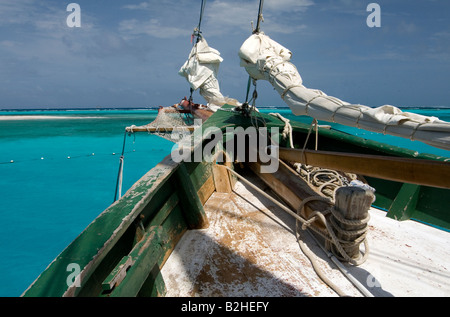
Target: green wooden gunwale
x,y
159,203
430,204
155,201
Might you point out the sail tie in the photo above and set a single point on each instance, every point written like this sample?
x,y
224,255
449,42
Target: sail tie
x,y
287,132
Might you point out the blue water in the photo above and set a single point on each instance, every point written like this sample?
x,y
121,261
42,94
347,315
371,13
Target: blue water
x,y
47,198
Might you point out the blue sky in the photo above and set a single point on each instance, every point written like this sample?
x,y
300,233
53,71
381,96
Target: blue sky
x,y
128,53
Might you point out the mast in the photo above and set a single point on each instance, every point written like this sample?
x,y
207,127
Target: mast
x,y
245,107
197,30
260,17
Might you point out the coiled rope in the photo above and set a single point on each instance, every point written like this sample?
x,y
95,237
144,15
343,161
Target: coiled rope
x,y
332,226
328,182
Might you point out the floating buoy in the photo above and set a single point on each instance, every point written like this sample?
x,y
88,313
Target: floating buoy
x,y
42,158
12,161
68,157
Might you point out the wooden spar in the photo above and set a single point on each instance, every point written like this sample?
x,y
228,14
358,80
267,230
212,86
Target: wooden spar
x,y
290,188
158,129
196,111
406,170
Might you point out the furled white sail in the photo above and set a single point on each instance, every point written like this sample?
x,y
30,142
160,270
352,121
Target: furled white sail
x,y
265,59
201,71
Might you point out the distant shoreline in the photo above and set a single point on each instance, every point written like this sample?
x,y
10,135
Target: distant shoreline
x,y
75,109
157,107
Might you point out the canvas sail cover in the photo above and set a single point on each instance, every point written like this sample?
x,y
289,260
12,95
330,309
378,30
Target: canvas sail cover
x,y
201,70
265,59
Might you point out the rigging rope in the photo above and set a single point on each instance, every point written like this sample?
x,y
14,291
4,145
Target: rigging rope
x,y
287,132
327,178
197,31
260,17
246,110
120,173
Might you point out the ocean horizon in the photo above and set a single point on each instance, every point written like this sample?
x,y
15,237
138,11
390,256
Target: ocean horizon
x,y
100,108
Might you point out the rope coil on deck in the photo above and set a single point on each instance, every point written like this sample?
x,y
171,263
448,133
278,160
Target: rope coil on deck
x,y
332,225
327,181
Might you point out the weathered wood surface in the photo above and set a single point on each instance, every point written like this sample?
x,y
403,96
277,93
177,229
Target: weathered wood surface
x,y
352,203
290,188
143,258
247,251
406,170
158,129
221,179
189,200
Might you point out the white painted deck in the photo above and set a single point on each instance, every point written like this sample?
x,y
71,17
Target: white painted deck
x,y
250,250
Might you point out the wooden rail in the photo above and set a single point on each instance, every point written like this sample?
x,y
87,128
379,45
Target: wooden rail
x,y
405,170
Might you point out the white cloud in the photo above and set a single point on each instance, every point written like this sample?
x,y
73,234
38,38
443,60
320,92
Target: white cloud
x,y
221,17
153,27
407,27
140,6
288,5
236,16
16,11
351,7
8,44
439,48
228,16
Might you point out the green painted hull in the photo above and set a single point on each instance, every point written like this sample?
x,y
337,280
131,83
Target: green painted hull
x,y
122,251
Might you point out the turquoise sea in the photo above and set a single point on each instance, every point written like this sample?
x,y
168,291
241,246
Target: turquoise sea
x,y
58,172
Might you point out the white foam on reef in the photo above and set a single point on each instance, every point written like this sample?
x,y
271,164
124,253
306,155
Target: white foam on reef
x,y
31,117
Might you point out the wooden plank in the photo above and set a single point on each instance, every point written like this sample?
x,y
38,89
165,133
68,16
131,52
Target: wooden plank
x,y
165,210
221,179
118,274
144,257
406,170
199,172
158,129
189,200
404,205
291,188
206,190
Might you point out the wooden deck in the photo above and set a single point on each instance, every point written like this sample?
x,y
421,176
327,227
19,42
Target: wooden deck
x,y
250,249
